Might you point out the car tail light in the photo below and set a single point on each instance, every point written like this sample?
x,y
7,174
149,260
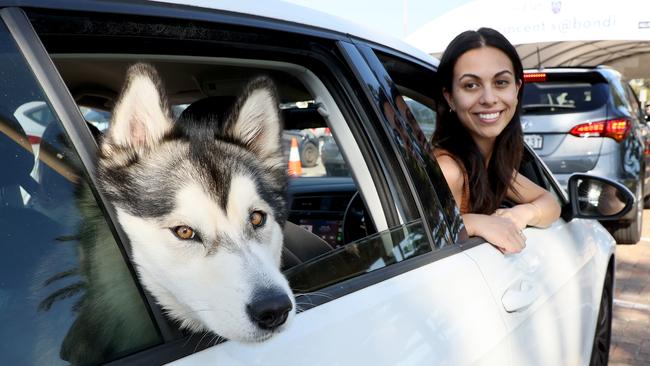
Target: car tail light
x,y
534,77
614,128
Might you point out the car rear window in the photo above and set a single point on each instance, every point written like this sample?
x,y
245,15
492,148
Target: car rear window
x,y
563,96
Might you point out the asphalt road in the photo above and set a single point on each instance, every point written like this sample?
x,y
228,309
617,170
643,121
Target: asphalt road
x,y
631,324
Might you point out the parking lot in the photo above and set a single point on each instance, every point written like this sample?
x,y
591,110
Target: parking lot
x,y
631,325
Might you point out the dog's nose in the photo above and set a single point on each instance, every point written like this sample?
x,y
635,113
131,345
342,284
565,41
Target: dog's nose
x,y
269,308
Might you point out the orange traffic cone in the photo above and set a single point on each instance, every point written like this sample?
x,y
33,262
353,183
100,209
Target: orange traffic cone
x,y
295,168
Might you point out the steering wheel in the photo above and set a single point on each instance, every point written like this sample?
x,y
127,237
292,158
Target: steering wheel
x,y
357,223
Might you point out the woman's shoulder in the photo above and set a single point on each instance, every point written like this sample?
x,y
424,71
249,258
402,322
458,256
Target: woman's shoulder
x,y
451,166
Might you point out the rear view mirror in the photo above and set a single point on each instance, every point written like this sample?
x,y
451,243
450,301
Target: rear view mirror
x,y
599,198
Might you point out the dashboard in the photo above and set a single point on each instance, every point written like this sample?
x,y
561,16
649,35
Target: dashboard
x,y
319,205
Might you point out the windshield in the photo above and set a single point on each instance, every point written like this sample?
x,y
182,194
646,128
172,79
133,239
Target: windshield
x,y
563,97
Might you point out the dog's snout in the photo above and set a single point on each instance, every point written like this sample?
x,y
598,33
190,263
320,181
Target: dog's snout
x,y
269,308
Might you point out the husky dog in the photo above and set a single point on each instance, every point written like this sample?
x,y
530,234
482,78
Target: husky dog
x,y
203,203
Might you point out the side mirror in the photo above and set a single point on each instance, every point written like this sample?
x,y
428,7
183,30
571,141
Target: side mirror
x,y
593,197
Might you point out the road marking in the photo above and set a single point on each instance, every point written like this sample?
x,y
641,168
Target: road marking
x,y
631,305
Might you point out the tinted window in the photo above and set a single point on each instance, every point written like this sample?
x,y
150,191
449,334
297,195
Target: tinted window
x,y
414,87
66,293
558,97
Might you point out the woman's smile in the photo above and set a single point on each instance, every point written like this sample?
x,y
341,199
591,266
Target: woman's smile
x,y
489,117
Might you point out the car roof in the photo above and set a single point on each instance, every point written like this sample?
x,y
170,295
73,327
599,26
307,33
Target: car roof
x,y
275,10
292,13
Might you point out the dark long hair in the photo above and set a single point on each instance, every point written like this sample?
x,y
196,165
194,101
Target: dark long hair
x,y
488,187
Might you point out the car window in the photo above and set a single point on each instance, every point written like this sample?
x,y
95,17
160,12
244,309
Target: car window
x,y
634,102
325,196
559,97
618,95
413,95
66,293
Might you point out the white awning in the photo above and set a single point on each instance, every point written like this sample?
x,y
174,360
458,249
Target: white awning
x,y
554,33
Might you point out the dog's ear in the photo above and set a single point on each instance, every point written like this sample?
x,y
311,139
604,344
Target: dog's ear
x,y
255,120
141,116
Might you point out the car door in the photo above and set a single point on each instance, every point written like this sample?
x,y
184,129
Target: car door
x,y
550,291
546,294
404,295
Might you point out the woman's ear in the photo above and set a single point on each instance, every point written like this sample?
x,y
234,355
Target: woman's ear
x,y
448,98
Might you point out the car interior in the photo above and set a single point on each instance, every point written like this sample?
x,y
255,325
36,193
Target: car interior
x,y
326,211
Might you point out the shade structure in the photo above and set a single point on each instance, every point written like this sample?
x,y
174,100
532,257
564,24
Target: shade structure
x,y
554,33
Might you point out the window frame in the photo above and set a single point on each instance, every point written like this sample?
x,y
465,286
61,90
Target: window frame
x,y
435,181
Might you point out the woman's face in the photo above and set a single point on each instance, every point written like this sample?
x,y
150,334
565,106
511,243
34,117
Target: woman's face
x,y
484,92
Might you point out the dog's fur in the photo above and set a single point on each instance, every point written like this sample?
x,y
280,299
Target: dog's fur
x,y
211,176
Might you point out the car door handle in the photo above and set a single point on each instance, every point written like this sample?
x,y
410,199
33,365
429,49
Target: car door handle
x,y
519,296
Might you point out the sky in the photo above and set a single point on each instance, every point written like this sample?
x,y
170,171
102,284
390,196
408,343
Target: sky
x,y
398,18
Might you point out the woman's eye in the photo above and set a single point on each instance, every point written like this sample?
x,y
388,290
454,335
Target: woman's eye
x,y
471,86
184,232
257,218
502,82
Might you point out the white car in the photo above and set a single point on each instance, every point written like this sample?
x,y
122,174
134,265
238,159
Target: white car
x,y
389,276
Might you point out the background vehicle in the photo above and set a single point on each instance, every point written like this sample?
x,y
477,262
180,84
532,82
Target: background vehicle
x,y
307,146
588,120
364,248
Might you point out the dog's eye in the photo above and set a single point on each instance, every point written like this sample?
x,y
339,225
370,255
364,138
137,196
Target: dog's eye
x,y
257,218
184,232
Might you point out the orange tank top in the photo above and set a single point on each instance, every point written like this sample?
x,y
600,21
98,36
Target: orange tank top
x,y
464,199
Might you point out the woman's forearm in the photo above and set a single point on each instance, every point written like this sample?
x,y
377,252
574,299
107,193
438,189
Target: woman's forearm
x,y
544,211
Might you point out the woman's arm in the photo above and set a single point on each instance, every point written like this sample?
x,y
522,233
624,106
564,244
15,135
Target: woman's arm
x,y
536,206
499,231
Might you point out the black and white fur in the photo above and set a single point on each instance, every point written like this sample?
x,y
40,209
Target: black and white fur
x,y
211,176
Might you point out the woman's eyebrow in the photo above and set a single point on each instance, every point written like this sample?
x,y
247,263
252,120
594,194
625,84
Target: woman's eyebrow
x,y
503,72
469,75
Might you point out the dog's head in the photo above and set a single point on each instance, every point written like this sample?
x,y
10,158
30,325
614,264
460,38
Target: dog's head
x,y
203,203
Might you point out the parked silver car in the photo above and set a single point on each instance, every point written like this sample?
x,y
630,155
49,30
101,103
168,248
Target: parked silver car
x,y
588,120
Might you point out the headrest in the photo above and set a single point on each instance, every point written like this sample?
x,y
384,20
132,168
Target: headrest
x,y
219,106
208,108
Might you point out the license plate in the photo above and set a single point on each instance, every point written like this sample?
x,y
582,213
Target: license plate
x,y
534,141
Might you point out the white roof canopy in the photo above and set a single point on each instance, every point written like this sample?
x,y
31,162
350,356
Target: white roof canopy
x,y
555,33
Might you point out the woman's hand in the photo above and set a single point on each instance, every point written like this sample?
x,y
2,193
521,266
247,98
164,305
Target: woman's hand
x,y
502,232
521,215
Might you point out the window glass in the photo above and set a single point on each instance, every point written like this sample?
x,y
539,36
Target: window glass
x,y
424,115
66,293
96,117
634,102
362,256
559,97
413,93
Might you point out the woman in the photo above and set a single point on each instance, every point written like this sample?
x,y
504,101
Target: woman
x,y
479,143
